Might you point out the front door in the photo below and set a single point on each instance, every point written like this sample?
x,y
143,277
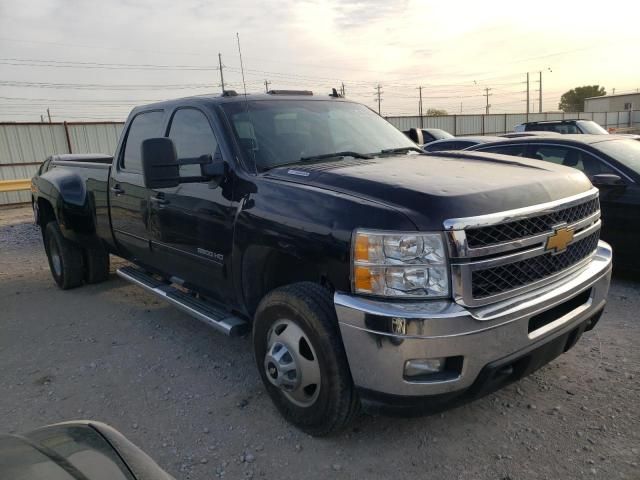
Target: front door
x,y
191,225
128,197
621,220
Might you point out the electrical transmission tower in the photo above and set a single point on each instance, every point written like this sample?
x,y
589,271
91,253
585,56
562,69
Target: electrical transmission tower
x,y
487,94
379,93
420,107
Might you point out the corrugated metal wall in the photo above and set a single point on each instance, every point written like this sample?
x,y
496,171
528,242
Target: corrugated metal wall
x,y
94,138
23,147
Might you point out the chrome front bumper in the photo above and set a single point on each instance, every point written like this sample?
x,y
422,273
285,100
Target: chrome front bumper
x,y
480,335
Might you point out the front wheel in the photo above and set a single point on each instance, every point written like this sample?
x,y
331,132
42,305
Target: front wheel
x,y
301,359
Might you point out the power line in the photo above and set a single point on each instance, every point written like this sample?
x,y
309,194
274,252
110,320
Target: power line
x,y
98,86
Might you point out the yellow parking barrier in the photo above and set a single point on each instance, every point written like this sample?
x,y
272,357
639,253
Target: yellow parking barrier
x,y
14,185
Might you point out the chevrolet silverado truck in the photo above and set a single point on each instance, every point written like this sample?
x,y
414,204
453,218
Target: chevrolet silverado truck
x,y
367,272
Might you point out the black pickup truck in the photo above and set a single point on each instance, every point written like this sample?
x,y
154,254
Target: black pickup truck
x,y
367,271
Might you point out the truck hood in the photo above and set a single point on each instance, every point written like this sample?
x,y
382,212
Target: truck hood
x,y
432,188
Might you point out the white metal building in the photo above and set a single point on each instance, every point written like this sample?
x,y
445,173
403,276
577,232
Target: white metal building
x,y
613,103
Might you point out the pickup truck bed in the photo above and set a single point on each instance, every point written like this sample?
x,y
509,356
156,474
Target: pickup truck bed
x,y
74,189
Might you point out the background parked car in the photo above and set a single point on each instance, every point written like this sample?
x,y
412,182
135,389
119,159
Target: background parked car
x,y
612,163
428,135
76,450
563,126
457,143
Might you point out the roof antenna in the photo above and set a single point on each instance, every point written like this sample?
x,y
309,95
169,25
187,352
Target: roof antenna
x,y
241,65
246,102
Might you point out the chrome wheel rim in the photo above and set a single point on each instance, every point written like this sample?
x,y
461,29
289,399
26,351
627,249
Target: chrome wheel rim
x,y
291,363
56,260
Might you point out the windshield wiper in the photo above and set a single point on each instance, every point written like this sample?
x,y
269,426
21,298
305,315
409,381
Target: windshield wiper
x,y
336,154
402,150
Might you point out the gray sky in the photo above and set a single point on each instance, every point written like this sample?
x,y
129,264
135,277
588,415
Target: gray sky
x,y
94,60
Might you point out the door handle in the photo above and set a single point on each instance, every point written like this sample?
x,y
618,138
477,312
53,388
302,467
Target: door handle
x,y
117,190
158,200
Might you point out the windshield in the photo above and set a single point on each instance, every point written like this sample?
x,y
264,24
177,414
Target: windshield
x,y
279,132
592,128
625,151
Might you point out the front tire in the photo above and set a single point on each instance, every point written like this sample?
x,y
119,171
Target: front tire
x,y
301,359
65,258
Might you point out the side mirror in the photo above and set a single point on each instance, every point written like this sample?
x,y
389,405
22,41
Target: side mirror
x,y
160,166
603,180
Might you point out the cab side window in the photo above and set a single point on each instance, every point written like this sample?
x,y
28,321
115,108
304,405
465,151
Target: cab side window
x,y
144,125
193,137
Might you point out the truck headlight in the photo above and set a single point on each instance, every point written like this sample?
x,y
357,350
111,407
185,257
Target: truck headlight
x,y
396,264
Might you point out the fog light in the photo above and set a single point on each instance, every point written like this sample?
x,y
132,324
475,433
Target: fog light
x,y
423,366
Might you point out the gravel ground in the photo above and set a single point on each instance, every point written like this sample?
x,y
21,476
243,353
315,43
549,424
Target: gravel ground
x,y
193,400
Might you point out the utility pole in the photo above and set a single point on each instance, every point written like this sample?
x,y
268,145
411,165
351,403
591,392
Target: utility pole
x,y
221,76
49,114
527,95
420,108
540,92
379,97
460,107
614,91
342,89
266,86
487,94
42,118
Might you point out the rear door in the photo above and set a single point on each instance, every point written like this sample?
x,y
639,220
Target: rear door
x,y
191,225
128,197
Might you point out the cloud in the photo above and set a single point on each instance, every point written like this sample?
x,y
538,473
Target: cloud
x,y
361,13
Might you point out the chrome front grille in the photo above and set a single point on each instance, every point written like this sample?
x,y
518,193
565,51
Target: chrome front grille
x,y
506,232
493,281
497,256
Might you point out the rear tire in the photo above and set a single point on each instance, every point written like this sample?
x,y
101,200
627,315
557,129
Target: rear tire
x,y
65,258
96,263
297,345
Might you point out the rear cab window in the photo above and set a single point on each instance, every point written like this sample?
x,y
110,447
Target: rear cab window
x,y
144,125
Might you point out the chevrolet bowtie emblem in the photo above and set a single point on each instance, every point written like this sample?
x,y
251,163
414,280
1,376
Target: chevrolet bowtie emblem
x,y
558,242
